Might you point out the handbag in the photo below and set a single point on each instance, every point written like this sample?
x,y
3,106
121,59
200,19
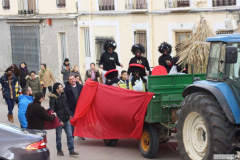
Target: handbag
x,y
51,124
138,86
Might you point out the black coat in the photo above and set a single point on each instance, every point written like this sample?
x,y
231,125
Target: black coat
x,y
162,61
139,60
24,74
36,115
59,104
70,96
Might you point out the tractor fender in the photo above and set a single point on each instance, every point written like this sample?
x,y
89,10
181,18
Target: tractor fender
x,y
222,92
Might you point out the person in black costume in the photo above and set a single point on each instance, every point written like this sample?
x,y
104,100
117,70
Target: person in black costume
x,y
165,59
179,68
112,77
136,73
138,50
109,59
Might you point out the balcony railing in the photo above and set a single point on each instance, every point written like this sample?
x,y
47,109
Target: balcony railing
x,y
223,3
27,7
61,3
177,3
6,4
136,4
105,5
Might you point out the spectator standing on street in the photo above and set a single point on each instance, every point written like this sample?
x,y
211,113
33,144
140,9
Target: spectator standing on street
x,y
66,68
16,71
24,100
58,103
92,73
36,114
8,81
46,77
24,73
33,82
109,59
72,90
75,72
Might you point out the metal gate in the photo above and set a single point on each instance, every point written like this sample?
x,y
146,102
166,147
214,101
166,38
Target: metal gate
x,y
25,46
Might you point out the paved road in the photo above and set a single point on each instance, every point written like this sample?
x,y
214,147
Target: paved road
x,y
91,149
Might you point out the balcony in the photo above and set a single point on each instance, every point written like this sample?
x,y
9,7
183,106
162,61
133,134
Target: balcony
x,y
106,5
27,7
218,3
61,3
136,5
6,4
177,5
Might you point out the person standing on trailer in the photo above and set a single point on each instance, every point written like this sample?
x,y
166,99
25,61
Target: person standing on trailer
x,y
165,59
109,59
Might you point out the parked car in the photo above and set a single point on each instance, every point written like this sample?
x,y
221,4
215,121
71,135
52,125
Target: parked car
x,y
21,144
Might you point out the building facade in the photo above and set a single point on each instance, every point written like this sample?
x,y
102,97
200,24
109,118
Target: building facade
x,y
149,22
36,32
48,31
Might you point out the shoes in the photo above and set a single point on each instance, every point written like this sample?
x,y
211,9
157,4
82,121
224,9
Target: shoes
x,y
60,153
8,117
11,118
73,153
82,138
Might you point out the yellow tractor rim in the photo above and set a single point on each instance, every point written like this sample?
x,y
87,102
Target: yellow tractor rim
x,y
145,141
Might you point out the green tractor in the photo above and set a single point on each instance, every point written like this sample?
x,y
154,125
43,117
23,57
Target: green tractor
x,y
209,119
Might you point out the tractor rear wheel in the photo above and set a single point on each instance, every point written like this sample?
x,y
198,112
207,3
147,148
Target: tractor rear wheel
x,y
111,142
149,142
203,128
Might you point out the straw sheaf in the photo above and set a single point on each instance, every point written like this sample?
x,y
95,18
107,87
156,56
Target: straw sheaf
x,y
195,50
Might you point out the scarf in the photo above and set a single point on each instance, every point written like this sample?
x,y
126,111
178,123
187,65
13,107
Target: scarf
x,y
93,75
42,74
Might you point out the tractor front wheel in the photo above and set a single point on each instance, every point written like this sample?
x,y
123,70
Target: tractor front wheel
x,y
111,142
203,128
149,142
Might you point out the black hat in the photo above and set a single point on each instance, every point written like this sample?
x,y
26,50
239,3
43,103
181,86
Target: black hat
x,y
165,46
138,46
109,43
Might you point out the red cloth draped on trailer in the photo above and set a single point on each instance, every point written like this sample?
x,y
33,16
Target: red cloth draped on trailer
x,y
107,112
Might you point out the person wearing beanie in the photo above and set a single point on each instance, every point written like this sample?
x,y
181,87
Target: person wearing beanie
x,y
66,68
36,114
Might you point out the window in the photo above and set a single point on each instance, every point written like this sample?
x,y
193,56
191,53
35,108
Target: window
x,y
63,46
61,3
177,3
105,5
6,4
87,42
99,47
181,36
27,7
224,32
141,37
213,62
136,4
25,43
223,3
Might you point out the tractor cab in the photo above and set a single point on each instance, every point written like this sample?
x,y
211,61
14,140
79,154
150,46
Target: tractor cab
x,y
224,61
